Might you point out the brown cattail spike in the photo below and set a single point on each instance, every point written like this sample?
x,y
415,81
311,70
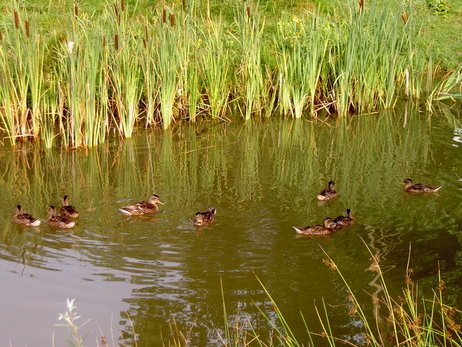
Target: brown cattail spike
x,y
405,17
116,42
104,41
27,25
164,15
361,5
248,11
172,20
1,36
16,20
76,10
184,5
122,5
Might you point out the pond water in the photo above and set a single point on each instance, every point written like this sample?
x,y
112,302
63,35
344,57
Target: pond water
x,y
132,276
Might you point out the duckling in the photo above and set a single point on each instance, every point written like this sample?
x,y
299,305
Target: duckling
x,y
68,210
205,218
418,187
25,218
329,193
143,207
59,221
317,230
345,221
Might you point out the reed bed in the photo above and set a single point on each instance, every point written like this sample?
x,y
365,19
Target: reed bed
x,y
115,72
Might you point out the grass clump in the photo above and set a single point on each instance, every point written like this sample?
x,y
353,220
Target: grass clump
x,y
408,320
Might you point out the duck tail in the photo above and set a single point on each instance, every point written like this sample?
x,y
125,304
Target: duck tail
x,y
297,229
125,212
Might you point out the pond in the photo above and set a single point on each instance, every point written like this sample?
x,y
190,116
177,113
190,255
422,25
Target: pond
x,y
132,276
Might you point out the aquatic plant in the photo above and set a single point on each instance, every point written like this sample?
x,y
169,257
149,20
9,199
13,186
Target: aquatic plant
x,y
70,318
251,71
215,65
167,67
115,72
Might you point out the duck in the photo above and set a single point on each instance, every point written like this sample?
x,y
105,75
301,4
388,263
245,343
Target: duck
x,y
317,230
25,218
329,193
59,221
143,207
345,221
68,210
418,187
205,218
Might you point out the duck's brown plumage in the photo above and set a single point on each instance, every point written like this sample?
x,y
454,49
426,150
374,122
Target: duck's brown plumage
x,y
205,218
409,186
317,230
25,218
143,207
328,193
345,221
68,210
59,221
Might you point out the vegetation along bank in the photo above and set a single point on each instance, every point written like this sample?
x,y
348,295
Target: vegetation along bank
x,y
95,71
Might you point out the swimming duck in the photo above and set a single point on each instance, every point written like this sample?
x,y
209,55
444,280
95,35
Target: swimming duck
x,y
143,207
317,230
205,218
68,210
59,221
418,187
25,218
345,221
329,193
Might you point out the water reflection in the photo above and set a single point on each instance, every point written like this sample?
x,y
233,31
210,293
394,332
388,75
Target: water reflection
x,y
262,177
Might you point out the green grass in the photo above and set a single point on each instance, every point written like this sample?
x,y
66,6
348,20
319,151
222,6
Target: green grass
x,y
136,63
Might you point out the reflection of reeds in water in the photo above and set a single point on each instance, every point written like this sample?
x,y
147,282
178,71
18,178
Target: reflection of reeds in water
x,y
248,184
295,166
363,158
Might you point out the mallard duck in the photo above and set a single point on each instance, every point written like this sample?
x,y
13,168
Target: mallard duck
x,y
143,207
345,221
329,193
418,187
317,230
68,210
25,218
59,221
205,218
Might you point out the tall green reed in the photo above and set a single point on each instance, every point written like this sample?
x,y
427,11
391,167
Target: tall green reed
x,y
168,65
372,58
148,65
251,71
22,55
302,45
125,73
216,66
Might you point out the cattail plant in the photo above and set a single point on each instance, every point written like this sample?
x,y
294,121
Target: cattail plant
x,y
167,70
216,67
251,70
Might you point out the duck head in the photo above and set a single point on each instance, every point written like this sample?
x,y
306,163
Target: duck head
x,y
154,199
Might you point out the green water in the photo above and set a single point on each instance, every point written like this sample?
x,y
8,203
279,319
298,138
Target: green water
x,y
133,275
